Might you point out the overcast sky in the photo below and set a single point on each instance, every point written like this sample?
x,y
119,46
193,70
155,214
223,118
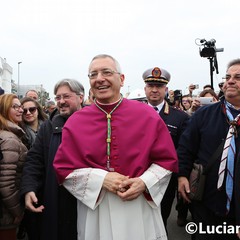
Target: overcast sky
x,y
56,39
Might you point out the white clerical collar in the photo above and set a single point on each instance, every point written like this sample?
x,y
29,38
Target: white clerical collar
x,y
109,103
160,106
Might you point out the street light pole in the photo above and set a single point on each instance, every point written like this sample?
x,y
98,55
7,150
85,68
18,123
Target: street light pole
x,y
18,79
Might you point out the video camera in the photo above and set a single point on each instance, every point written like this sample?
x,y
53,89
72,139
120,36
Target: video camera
x,y
177,95
208,48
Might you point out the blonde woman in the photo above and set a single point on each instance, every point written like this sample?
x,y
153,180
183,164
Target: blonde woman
x,y
13,152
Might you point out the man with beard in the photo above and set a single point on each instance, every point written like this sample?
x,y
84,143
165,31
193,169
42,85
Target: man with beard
x,y
42,194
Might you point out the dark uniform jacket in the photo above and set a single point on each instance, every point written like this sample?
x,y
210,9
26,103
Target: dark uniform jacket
x,y
176,121
206,130
60,214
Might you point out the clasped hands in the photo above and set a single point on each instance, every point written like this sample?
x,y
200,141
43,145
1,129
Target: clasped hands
x,y
126,188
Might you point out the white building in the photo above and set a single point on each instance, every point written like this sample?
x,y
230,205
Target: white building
x,y
5,75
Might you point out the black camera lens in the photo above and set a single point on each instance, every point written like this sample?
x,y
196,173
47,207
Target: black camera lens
x,y
220,85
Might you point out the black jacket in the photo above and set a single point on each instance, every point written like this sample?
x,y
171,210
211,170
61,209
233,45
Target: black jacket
x,y
206,130
59,218
176,121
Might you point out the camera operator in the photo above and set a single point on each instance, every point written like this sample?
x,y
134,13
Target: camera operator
x,y
175,98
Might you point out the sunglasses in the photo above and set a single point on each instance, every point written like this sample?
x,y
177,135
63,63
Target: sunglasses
x,y
31,110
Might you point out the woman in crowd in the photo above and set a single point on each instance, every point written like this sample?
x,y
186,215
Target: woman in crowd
x,y
33,117
209,93
186,102
12,157
196,104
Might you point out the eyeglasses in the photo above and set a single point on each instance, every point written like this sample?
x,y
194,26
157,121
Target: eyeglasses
x,y
236,77
31,110
185,101
64,97
16,107
104,72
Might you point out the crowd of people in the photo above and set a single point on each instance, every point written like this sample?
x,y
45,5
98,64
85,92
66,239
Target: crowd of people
x,y
110,167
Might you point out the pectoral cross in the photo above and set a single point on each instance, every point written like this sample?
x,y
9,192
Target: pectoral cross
x,y
108,165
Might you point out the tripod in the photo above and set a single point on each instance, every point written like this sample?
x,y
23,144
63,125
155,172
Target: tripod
x,y
213,67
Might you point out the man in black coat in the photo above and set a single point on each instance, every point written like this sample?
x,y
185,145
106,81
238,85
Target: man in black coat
x,y
156,80
219,209
56,206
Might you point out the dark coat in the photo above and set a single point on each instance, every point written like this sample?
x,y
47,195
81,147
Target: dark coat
x,y
206,130
59,218
176,121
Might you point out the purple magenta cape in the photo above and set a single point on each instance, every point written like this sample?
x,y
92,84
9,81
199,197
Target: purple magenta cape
x,y
139,138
